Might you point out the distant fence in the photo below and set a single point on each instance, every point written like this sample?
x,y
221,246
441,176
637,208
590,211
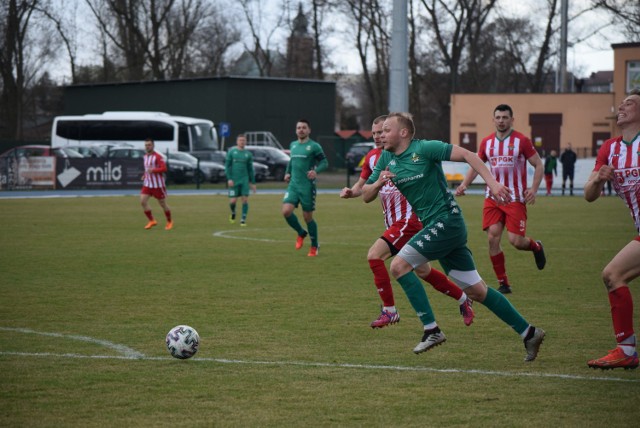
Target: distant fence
x,y
49,172
582,170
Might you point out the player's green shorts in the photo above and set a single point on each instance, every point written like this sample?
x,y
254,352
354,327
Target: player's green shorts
x,y
239,189
305,197
445,240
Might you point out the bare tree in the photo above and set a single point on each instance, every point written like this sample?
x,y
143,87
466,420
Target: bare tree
x,y
456,23
154,38
370,20
625,12
26,46
260,48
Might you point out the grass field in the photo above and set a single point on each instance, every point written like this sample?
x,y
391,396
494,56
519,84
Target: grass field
x,y
87,296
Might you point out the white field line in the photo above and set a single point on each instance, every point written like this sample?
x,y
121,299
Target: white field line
x,y
130,354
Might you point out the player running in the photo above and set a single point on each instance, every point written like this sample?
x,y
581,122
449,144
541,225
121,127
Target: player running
x,y
618,161
415,167
401,224
508,152
240,176
153,184
307,160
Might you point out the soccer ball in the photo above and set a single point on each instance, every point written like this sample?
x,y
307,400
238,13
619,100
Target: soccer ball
x,y
183,342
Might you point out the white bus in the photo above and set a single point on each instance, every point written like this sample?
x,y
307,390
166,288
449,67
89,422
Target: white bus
x,y
170,133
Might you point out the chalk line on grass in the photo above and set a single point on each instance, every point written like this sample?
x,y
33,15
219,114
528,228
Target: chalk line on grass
x,y
131,354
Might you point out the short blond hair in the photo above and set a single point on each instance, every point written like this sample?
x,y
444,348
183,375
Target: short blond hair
x,y
405,120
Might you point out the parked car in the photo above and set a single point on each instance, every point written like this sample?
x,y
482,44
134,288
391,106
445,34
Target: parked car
x,y
94,151
178,172
261,171
264,139
41,150
276,160
356,154
209,171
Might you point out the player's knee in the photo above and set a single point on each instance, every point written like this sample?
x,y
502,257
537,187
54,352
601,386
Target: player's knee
x,y
610,278
399,267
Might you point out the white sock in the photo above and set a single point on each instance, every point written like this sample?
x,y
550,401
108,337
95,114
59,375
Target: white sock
x,y
431,326
628,345
462,299
391,309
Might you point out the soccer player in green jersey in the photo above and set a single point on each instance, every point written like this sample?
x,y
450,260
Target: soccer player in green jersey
x,y
240,175
307,160
415,168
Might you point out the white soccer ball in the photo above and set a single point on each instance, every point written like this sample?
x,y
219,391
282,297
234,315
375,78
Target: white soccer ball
x,y
183,341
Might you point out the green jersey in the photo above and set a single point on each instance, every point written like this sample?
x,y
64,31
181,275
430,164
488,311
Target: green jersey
x,y
305,157
420,178
239,166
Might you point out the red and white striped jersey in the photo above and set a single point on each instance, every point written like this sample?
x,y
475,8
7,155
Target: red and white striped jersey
x,y
394,205
624,157
508,161
154,167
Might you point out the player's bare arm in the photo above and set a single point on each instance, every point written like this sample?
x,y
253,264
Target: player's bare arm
x,y
353,192
499,192
595,184
468,179
370,191
530,193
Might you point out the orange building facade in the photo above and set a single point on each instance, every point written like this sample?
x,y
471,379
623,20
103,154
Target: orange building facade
x,y
552,121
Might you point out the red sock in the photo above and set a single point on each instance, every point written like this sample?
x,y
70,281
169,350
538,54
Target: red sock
x,y
499,267
440,282
621,312
383,281
149,215
167,214
533,246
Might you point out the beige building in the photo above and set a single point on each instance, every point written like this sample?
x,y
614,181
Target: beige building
x,y
585,120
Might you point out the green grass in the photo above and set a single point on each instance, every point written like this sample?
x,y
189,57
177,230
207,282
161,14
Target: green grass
x,y
285,338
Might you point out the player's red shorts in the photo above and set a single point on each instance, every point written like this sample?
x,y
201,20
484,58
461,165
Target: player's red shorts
x,y
512,215
156,192
400,232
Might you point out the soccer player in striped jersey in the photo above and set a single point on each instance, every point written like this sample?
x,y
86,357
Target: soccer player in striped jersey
x,y
618,161
153,184
401,223
508,152
415,168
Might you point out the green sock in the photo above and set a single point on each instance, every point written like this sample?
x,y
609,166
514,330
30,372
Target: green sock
x,y
245,210
418,297
292,220
499,305
233,209
312,227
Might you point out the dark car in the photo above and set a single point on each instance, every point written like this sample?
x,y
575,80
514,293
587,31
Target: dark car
x,y
260,170
276,160
92,151
178,172
355,155
41,150
209,171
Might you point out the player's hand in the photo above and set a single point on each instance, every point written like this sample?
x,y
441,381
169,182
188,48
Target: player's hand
x,y
605,173
230,183
254,188
460,190
529,197
311,175
385,177
500,193
287,178
346,193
